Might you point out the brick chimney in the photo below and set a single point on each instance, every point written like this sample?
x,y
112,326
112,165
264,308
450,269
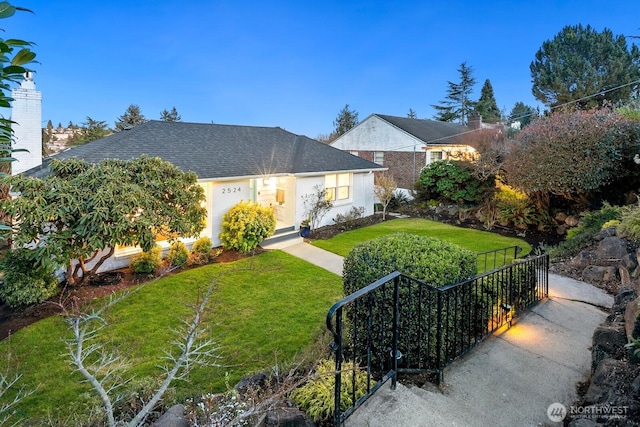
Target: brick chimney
x,y
474,121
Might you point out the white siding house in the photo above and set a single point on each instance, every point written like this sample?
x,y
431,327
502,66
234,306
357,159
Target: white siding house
x,y
267,165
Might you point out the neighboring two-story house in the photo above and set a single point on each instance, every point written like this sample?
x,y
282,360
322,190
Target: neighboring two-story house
x,y
405,145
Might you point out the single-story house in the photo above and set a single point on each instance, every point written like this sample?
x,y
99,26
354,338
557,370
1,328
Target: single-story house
x,y
268,165
405,145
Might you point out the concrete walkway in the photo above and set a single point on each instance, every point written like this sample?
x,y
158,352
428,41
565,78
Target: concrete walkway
x,y
320,257
508,380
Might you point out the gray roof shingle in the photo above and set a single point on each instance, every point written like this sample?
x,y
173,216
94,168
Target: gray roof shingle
x,y
430,131
217,151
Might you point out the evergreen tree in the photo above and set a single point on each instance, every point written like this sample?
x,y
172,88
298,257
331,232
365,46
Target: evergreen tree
x,y
92,130
170,116
131,117
345,121
583,65
486,105
522,113
412,114
457,104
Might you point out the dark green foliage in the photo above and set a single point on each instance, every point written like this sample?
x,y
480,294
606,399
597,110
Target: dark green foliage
x,y
522,113
432,261
25,283
580,62
451,181
74,208
457,105
16,55
346,120
178,254
170,116
583,235
131,117
91,130
147,262
398,200
486,105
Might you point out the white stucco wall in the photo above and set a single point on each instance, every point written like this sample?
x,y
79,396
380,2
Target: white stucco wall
x,y
223,195
374,134
361,195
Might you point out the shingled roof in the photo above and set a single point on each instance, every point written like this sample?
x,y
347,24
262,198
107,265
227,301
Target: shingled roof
x,y
429,131
218,151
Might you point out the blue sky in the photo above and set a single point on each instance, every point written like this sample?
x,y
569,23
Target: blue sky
x,y
293,64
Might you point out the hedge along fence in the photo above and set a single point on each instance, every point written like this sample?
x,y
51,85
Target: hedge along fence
x,y
432,261
443,307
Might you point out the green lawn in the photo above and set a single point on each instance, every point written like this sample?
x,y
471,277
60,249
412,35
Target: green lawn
x,y
265,309
474,240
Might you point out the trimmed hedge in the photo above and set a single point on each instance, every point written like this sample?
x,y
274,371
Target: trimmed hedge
x,y
431,261
427,259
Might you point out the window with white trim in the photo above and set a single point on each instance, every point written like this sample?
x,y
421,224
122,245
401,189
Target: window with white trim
x,y
378,157
337,186
434,156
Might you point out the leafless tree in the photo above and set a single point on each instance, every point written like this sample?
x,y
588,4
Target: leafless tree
x,y
384,190
102,367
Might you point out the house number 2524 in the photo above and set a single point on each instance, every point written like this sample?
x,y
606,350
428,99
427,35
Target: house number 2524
x,y
229,190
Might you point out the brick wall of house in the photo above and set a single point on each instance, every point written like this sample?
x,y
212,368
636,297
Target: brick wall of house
x,y
401,165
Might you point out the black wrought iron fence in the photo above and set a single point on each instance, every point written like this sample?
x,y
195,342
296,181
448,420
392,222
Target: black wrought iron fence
x,y
401,325
496,258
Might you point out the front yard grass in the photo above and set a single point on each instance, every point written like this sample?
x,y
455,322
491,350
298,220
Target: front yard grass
x,y
474,240
265,310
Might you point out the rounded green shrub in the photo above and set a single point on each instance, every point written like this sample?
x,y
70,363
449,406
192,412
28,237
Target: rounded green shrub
x,y
24,282
201,250
178,254
316,397
147,262
451,181
246,225
431,261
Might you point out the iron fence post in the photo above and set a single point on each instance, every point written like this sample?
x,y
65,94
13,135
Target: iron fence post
x,y
394,345
338,374
439,336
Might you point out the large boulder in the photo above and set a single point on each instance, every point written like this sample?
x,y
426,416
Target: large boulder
x,y
612,385
608,342
611,248
174,417
287,417
599,273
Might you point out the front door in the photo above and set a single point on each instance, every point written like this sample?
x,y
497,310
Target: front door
x,y
276,193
